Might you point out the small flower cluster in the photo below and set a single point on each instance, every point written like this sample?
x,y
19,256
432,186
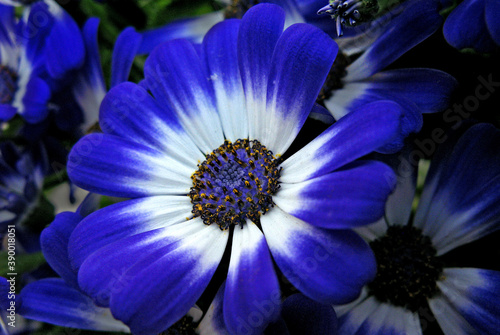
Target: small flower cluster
x,y
256,169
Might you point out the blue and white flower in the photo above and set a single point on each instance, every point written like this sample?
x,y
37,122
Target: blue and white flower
x,y
459,204
22,171
198,148
36,54
474,24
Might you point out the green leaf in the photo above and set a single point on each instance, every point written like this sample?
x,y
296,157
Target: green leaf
x,y
23,263
42,215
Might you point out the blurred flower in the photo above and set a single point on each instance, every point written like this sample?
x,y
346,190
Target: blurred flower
x,y
201,160
459,204
36,54
22,171
58,300
474,24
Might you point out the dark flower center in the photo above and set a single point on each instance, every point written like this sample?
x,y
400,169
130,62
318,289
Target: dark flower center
x,y
185,326
334,79
349,12
238,8
407,268
236,182
8,84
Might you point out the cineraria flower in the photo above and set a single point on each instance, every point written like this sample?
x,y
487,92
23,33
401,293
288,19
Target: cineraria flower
x,y
36,54
22,171
201,158
474,24
459,204
356,77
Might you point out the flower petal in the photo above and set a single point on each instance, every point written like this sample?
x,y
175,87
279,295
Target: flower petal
x,y
54,240
7,24
64,46
177,78
34,99
124,52
193,29
53,301
89,87
213,320
252,297
7,112
342,199
352,137
301,61
399,204
458,210
164,286
259,32
124,219
492,12
466,27
130,112
469,301
110,165
327,266
118,257
370,316
428,89
221,56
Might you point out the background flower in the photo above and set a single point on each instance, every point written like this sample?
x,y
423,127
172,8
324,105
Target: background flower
x,y
35,58
459,204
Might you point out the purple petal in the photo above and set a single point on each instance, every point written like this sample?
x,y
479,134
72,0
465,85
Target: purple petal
x,y
53,301
124,52
352,137
252,297
342,199
110,165
301,61
165,285
327,266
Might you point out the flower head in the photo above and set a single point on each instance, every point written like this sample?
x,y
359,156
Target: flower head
x,y
198,146
459,204
21,179
37,52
